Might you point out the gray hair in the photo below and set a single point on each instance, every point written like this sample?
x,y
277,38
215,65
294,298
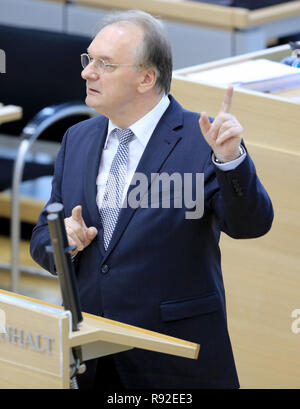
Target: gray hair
x,y
155,49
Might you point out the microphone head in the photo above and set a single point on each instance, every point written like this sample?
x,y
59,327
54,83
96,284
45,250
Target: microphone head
x,y
55,208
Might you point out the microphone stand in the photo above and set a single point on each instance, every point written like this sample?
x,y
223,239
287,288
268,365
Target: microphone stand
x,y
66,274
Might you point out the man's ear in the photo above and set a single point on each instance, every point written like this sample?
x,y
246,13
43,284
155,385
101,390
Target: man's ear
x,y
148,80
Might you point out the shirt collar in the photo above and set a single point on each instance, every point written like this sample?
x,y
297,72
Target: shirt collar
x,y
144,127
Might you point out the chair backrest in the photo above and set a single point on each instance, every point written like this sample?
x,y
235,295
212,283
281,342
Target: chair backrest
x,y
257,4
247,4
42,68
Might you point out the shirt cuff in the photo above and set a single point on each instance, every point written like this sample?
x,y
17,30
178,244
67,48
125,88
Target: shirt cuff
x,y
232,164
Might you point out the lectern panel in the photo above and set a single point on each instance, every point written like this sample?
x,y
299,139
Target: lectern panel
x,y
31,344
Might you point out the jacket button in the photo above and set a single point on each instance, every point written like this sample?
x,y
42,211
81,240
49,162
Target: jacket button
x,y
104,269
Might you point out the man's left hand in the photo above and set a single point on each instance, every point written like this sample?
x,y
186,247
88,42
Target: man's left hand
x,y
225,133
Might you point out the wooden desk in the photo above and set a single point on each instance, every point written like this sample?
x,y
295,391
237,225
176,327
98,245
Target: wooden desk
x,y
199,32
262,276
210,31
9,113
202,13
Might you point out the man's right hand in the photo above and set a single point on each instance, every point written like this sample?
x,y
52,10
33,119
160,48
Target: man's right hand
x,y
77,232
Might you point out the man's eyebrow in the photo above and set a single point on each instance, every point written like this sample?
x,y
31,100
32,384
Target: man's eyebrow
x,y
102,57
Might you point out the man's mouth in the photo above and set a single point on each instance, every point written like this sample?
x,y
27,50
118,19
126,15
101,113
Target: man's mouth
x,y
92,91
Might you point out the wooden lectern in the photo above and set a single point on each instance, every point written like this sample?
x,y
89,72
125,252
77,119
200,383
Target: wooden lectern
x,y
36,340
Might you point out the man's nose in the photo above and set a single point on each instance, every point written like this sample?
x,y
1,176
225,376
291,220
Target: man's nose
x,y
89,73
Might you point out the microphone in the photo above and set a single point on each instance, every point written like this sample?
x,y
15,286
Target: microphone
x,y
63,262
66,274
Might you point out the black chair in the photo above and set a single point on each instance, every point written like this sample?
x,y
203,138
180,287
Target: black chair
x,y
257,4
247,4
43,77
42,68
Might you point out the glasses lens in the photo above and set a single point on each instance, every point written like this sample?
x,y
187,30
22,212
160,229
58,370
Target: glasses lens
x,y
85,60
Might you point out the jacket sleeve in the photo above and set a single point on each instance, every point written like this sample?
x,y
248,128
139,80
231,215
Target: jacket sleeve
x,y
238,200
40,236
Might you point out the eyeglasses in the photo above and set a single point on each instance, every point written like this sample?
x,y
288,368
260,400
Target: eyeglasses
x,y
101,65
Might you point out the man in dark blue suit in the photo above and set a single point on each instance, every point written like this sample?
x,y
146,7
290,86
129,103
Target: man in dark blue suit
x,y
146,263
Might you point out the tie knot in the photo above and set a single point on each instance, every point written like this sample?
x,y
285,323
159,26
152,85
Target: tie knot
x,y
124,135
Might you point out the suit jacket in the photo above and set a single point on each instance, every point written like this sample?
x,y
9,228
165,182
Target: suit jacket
x,y
161,270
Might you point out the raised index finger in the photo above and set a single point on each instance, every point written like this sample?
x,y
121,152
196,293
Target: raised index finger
x,y
226,104
76,214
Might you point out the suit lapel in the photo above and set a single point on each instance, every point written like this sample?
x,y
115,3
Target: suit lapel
x,y
91,171
163,140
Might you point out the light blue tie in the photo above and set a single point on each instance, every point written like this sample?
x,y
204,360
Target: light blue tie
x,y
112,199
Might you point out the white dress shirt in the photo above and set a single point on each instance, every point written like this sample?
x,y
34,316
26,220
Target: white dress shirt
x,y
142,130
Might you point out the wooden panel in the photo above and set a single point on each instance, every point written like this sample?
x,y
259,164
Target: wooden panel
x,y
98,328
268,120
18,377
30,208
184,11
10,113
202,13
36,343
273,54
262,275
25,258
272,13
262,281
253,111
95,328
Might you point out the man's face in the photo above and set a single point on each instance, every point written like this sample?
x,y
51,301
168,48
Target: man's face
x,y
112,92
